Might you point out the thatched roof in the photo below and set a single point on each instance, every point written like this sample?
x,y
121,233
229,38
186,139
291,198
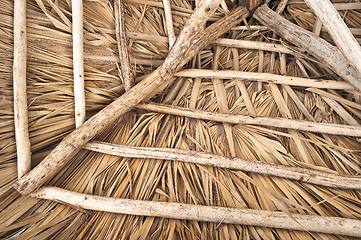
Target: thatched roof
x,y
51,118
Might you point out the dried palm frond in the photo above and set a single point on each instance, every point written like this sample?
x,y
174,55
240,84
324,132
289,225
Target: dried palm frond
x,y
51,117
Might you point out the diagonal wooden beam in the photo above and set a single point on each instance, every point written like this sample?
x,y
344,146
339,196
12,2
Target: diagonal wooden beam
x,y
264,168
190,41
285,123
311,43
338,30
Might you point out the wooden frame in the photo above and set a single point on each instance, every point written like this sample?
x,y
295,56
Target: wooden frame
x,y
186,42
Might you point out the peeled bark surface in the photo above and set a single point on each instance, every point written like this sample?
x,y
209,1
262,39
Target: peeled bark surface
x,y
293,173
338,30
252,217
19,84
311,43
326,128
190,41
265,77
237,43
78,61
126,72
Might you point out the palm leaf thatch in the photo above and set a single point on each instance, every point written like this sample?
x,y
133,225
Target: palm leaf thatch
x,y
51,117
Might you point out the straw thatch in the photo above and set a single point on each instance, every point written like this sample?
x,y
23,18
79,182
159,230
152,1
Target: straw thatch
x,y
51,117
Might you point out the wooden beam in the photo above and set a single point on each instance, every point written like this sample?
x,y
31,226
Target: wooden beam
x,y
311,43
78,61
250,217
19,85
264,168
191,40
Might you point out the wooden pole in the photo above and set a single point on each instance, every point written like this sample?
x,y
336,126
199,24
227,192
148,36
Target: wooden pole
x,y
238,43
250,217
265,77
192,38
327,128
311,43
169,22
126,71
288,172
19,85
78,62
338,30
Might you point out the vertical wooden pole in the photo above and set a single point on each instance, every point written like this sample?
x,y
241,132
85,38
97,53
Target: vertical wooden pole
x,y
126,71
20,96
78,62
169,22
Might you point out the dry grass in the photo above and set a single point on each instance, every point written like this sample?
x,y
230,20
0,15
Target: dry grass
x,y
51,117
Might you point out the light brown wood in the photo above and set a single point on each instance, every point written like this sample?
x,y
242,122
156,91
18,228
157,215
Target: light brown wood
x,y
265,77
78,61
328,128
20,96
238,43
169,22
192,38
264,168
126,71
338,30
312,44
251,217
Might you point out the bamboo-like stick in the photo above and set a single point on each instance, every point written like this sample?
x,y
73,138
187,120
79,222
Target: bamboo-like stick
x,y
250,28
127,75
169,22
236,43
19,85
78,62
338,30
250,217
319,48
225,42
265,77
264,168
355,31
328,128
192,38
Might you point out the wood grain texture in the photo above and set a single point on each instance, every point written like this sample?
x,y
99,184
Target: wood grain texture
x,y
126,72
19,85
251,217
